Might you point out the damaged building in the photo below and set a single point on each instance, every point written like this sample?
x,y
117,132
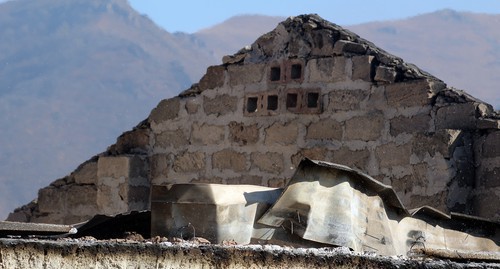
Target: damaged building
x,y
307,89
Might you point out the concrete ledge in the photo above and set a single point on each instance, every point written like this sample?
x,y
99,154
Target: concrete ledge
x,y
76,253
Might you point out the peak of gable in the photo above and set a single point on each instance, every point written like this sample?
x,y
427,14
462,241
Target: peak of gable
x,y
310,36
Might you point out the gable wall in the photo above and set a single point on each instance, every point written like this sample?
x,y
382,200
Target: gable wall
x,y
436,146
385,129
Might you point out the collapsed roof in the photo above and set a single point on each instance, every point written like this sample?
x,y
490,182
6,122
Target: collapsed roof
x,y
323,204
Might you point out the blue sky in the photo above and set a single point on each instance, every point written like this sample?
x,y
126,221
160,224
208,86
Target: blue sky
x,y
192,15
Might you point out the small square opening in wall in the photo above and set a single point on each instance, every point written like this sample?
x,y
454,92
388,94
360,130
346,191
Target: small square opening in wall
x,y
252,104
296,72
291,100
312,99
272,102
275,73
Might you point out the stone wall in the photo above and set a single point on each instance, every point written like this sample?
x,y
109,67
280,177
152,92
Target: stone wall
x,y
113,182
487,180
307,89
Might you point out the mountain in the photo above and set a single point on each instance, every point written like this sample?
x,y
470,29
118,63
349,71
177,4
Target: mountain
x,y
461,48
235,33
75,74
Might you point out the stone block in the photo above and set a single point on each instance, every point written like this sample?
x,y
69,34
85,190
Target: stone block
x,y
339,69
351,158
246,180
220,105
363,68
346,99
131,142
189,162
408,94
391,154
277,182
113,167
243,134
365,128
344,46
317,153
437,201
327,129
52,200
19,216
417,178
138,197
112,199
271,162
282,134
54,218
323,42
299,48
483,123
174,139
491,145
486,203
86,174
329,69
385,74
81,200
233,59
206,134
230,160
377,99
245,74
457,116
160,165
489,178
192,105
214,78
417,124
167,109
139,168
438,142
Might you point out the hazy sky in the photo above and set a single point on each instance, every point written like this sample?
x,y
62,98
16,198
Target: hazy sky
x,y
192,15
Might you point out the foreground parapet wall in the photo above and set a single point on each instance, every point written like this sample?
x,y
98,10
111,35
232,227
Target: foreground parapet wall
x,y
113,254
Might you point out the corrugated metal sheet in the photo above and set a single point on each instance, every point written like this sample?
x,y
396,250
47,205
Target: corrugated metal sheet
x,y
213,211
336,205
323,204
8,228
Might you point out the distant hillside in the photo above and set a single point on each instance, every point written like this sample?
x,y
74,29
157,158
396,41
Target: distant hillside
x,y
75,74
462,49
235,33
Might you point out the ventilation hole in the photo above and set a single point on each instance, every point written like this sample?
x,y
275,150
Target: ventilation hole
x,y
312,99
275,73
252,104
296,71
291,100
272,102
